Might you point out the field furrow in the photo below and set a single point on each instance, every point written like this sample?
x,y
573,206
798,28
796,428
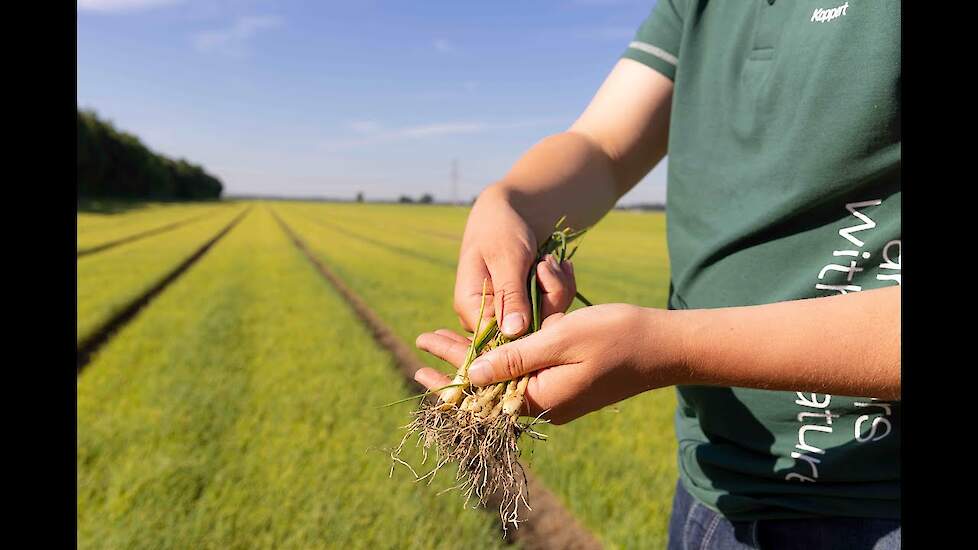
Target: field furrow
x,y
96,230
593,464
109,282
242,410
623,258
415,249
84,251
548,524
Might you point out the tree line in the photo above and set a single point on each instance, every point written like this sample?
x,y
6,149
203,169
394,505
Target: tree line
x,y
115,164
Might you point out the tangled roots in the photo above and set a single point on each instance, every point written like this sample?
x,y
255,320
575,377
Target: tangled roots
x,y
486,450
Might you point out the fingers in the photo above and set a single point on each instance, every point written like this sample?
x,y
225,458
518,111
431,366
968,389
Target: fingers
x,y
534,352
511,305
550,394
554,388
468,290
448,348
539,395
549,321
540,400
454,336
557,285
431,379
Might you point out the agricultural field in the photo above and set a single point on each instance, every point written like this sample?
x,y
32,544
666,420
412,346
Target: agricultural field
x,y
111,278
243,407
102,225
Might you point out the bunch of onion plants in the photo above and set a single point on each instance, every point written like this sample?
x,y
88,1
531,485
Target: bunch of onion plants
x,y
479,428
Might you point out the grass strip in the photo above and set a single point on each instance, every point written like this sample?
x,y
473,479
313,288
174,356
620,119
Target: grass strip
x,y
136,236
548,524
235,413
101,334
95,228
594,464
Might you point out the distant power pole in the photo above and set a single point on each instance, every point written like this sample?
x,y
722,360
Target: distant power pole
x,y
455,182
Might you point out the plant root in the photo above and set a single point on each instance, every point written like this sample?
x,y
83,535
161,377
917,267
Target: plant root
x,y
478,429
485,448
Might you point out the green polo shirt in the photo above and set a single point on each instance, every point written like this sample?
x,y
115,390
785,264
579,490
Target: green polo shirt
x,y
783,184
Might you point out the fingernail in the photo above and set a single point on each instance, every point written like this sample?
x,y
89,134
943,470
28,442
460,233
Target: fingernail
x,y
479,372
513,323
552,262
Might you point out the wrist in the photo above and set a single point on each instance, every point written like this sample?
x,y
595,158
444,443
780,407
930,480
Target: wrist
x,y
508,194
494,192
667,354
491,198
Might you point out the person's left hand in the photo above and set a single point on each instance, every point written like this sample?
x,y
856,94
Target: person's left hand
x,y
579,362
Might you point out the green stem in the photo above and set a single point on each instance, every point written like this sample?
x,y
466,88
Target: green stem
x,y
420,395
535,300
583,300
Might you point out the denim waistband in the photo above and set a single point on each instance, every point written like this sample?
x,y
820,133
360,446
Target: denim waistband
x,y
694,526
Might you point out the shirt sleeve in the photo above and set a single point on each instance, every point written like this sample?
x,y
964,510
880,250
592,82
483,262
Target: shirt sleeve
x,y
656,43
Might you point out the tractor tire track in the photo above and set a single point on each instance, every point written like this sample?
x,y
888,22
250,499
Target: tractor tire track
x,y
139,235
436,261
455,238
381,244
87,347
549,525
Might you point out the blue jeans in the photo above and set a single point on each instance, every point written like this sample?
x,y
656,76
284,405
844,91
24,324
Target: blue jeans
x,y
693,526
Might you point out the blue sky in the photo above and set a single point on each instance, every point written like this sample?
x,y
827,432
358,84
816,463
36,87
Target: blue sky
x,y
331,98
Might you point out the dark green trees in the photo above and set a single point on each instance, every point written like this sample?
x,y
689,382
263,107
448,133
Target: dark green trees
x,y
116,164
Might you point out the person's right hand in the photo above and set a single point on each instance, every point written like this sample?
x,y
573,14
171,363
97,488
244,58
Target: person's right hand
x,y
499,246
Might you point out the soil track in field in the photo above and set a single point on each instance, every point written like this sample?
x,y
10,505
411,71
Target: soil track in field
x,y
430,232
87,348
387,246
140,235
549,525
414,254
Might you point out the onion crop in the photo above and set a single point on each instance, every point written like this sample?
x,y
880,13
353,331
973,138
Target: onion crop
x,y
479,428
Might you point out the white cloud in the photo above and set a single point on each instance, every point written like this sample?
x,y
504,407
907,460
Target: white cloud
x,y
374,133
232,40
365,126
377,131
116,6
444,46
441,129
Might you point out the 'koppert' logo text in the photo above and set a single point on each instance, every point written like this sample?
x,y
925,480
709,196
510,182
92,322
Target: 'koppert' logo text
x,y
824,16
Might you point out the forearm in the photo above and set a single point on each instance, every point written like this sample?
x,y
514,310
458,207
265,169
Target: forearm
x,y
581,173
566,174
845,345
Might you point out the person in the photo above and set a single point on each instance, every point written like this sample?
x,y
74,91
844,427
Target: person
x,y
781,121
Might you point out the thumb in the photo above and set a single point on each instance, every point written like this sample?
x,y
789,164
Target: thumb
x,y
510,361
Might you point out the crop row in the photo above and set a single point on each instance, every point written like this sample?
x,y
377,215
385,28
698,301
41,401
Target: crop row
x,y
95,230
110,280
241,409
623,258
594,464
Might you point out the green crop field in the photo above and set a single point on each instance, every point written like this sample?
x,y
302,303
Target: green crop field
x,y
97,228
242,407
108,280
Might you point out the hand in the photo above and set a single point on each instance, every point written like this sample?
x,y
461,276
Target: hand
x,y
580,362
499,247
